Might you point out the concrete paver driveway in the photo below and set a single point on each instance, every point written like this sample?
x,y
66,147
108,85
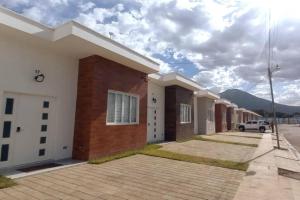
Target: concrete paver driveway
x,y
135,177
242,134
230,138
222,151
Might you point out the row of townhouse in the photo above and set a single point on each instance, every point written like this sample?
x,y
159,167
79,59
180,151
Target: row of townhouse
x,y
69,92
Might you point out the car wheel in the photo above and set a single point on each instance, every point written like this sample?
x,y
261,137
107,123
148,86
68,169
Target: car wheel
x,y
262,129
242,129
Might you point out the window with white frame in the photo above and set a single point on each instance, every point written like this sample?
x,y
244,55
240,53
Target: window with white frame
x,y
122,108
224,117
185,113
210,112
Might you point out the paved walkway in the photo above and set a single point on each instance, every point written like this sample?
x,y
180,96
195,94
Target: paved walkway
x,y
222,151
230,138
242,134
136,177
262,180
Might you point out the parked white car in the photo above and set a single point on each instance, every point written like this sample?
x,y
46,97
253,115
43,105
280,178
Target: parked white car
x,y
259,125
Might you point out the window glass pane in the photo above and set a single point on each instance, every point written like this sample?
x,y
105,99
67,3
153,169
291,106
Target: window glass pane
x,y
9,106
181,113
44,128
133,109
111,107
4,152
189,114
118,108
6,129
45,116
185,113
43,140
42,152
46,104
126,108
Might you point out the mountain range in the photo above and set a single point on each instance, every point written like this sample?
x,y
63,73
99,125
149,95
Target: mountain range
x,y
245,100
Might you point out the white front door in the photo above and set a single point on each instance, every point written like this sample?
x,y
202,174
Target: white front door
x,y
26,136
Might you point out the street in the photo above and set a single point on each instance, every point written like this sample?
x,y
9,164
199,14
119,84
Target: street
x,y
292,134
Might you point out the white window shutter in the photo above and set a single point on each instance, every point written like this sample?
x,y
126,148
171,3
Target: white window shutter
x,y
118,108
133,111
126,112
111,108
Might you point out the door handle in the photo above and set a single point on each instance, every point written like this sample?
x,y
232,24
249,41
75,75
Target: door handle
x,y
18,129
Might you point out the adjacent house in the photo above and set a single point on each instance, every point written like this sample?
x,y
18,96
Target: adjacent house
x,y
68,92
221,114
178,93
231,116
240,115
246,115
204,114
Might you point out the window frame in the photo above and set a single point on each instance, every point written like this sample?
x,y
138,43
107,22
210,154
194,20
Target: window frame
x,y
115,123
188,109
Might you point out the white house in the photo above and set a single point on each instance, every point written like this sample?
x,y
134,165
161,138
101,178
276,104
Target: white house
x,y
49,74
204,105
170,107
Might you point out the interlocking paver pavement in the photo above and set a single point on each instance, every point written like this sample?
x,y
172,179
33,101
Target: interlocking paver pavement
x,y
222,151
135,177
242,134
229,138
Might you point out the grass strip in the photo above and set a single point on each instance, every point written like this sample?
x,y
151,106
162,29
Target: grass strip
x,y
196,159
6,182
123,154
244,136
222,141
153,150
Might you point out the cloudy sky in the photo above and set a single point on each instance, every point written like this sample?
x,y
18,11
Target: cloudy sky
x,y
219,43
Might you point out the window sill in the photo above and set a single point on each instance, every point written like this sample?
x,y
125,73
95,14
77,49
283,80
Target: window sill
x,y
121,124
185,122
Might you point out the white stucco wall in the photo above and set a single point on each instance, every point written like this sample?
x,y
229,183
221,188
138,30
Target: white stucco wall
x,y
203,125
211,124
158,92
19,60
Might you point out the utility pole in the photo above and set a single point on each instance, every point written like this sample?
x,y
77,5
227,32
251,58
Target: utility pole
x,y
273,107
271,84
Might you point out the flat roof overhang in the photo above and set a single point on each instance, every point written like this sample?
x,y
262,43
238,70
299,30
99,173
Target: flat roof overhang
x,y
223,101
233,105
207,94
74,40
174,79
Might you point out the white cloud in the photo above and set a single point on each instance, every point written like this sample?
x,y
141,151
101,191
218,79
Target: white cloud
x,y
219,79
34,13
224,39
86,6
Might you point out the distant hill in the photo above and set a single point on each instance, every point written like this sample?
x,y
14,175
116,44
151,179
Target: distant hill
x,y
251,102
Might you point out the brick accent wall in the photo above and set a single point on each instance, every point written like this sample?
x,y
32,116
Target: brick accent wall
x,y
240,116
92,137
229,120
245,117
174,130
221,124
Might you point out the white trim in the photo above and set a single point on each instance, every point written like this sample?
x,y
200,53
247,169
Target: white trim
x,y
65,38
122,112
175,79
188,111
223,101
207,94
